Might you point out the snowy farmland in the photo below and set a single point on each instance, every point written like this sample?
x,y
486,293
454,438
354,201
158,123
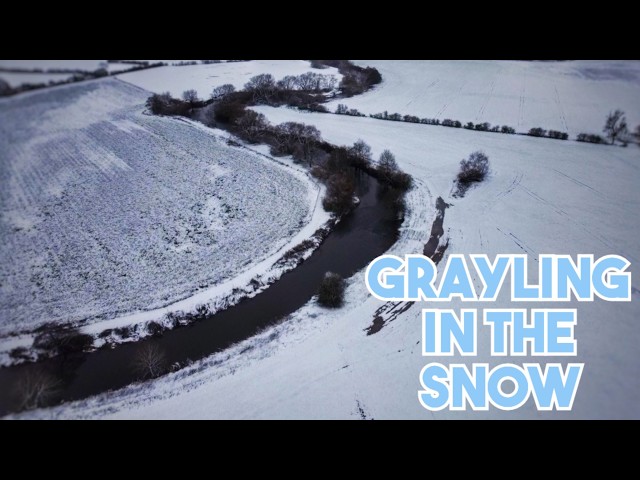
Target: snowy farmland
x,y
15,79
107,210
572,97
542,196
44,65
203,78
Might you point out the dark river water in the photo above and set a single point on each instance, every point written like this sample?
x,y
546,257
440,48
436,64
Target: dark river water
x,y
361,236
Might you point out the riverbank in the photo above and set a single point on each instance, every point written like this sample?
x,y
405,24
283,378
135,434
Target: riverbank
x,y
368,231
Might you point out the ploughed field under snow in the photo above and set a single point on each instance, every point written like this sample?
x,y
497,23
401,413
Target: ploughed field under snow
x,y
572,97
107,210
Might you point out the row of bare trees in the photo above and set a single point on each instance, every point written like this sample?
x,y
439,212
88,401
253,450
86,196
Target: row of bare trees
x,y
264,87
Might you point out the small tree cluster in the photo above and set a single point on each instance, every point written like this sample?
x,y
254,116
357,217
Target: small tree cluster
x,y
264,87
297,139
558,135
360,154
390,173
447,122
61,340
358,79
222,91
331,292
314,82
251,126
342,109
230,106
338,160
537,132
340,193
589,138
261,86
355,79
541,132
164,104
473,169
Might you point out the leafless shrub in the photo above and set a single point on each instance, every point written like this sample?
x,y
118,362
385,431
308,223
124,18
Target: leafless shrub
x,y
150,361
36,388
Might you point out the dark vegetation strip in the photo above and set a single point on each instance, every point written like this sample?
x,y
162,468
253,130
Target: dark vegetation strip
x,y
615,128
228,109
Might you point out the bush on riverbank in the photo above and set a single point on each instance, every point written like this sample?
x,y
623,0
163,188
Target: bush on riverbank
x,y
331,293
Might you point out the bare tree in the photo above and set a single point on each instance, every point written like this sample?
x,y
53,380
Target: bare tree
x,y
329,82
387,163
315,82
222,91
262,86
252,125
308,81
190,96
615,126
296,139
36,387
361,152
637,134
288,82
150,361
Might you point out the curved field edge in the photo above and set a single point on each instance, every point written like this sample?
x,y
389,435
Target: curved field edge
x,y
100,113
541,197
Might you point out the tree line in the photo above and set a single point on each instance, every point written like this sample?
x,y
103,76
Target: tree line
x,y
615,128
227,108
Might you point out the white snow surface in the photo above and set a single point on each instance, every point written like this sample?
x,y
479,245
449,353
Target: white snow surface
x,y
542,196
203,78
84,65
572,97
114,67
115,215
19,78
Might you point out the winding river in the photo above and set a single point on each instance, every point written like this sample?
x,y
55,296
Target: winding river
x,y
368,231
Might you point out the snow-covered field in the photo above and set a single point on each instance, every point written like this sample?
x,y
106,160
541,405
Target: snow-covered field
x,y
542,196
19,78
84,65
572,97
203,78
107,210
115,67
